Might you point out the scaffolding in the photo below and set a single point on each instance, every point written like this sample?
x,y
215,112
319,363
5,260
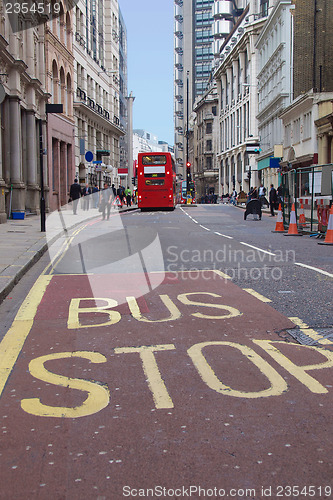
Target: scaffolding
x,y
311,190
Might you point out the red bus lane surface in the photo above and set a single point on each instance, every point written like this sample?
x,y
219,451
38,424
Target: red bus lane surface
x,y
189,386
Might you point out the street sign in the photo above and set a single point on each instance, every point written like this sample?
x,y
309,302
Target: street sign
x,y
253,148
89,156
54,108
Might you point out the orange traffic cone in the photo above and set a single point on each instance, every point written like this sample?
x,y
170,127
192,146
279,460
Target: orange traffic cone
x,y
301,220
279,227
292,231
329,232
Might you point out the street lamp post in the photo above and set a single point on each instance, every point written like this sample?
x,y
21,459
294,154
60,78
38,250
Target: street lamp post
x,y
188,164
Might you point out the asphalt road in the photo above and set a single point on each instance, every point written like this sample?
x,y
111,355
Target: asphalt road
x,y
151,355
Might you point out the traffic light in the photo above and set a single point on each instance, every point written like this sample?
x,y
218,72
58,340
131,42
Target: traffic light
x,y
188,164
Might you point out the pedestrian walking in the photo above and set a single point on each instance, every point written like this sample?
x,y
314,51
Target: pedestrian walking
x,y
262,194
250,194
74,194
279,193
86,191
128,194
105,202
121,193
272,199
233,199
95,195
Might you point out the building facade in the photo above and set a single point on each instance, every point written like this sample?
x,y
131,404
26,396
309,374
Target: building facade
x,y
275,56
23,76
124,160
201,26
236,78
60,127
205,133
96,104
307,122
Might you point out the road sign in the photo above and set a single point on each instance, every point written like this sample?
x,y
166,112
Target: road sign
x,y
89,156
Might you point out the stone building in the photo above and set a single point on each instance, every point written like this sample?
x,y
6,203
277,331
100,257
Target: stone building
x,y
307,121
96,103
60,127
205,166
23,76
236,78
275,55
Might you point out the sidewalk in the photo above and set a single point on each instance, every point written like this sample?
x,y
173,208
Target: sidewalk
x,y
23,244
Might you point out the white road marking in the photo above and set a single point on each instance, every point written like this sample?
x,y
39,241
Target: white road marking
x,y
256,248
314,269
224,235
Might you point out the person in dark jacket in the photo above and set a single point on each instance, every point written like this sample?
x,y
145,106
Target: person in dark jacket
x,y
74,194
272,199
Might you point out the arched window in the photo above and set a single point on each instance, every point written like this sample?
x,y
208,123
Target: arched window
x,y
68,31
63,88
69,95
60,23
54,85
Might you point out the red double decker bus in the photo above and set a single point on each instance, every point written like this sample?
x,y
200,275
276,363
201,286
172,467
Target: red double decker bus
x,y
182,193
156,181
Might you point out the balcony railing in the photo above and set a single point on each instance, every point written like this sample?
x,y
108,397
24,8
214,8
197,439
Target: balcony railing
x,y
81,94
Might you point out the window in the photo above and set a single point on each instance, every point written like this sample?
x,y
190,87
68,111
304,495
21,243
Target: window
x,y
154,160
297,131
264,8
287,135
307,125
209,128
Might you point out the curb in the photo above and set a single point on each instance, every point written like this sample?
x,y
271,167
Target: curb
x,y
8,287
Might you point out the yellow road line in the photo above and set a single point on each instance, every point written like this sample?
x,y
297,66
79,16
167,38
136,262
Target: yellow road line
x,y
13,341
223,275
62,251
257,295
309,332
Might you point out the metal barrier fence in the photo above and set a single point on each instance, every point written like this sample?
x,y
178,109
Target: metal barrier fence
x,y
311,190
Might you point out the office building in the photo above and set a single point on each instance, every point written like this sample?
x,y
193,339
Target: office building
x,y
200,28
97,95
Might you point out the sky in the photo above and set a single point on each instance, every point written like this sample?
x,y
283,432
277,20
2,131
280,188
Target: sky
x,y
149,25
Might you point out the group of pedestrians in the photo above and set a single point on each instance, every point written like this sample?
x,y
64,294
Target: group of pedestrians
x,y
274,197
101,199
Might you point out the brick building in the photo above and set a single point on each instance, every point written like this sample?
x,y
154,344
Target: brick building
x,y
313,42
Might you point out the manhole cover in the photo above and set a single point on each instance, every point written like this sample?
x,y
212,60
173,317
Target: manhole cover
x,y
303,338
